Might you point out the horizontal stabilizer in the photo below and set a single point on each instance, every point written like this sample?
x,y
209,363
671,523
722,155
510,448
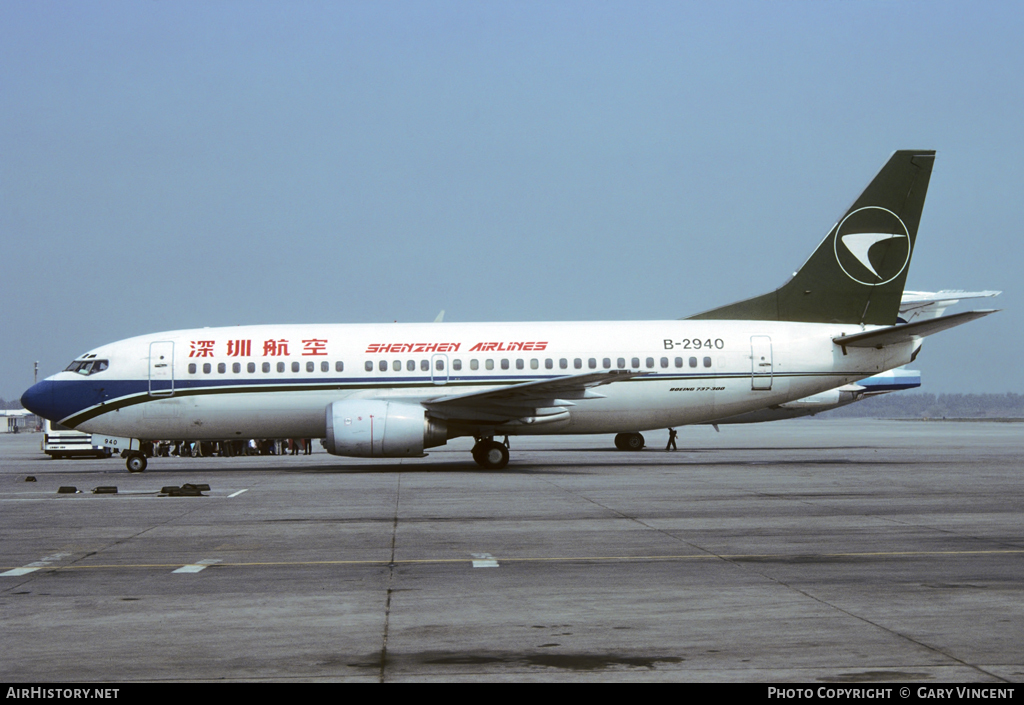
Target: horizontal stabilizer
x,y
918,305
952,296
893,335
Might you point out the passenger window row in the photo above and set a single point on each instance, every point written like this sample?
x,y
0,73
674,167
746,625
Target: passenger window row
x,y
536,364
456,365
236,367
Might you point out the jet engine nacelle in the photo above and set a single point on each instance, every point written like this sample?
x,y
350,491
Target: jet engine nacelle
x,y
371,428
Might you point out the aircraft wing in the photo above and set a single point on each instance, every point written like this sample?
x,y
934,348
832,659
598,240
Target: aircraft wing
x,y
541,401
891,335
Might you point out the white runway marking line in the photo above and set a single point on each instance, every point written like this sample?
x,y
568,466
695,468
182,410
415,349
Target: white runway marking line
x,y
32,567
197,566
484,560
238,493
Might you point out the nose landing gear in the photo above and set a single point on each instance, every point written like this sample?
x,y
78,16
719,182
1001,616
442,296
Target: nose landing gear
x,y
135,461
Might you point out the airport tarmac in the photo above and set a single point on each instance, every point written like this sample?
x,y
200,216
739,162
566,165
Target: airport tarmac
x,y
818,551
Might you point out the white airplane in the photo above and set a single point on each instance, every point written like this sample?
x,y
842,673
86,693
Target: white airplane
x,y
915,305
394,390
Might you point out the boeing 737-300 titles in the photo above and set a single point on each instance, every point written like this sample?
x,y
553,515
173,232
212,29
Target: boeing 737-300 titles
x,y
395,390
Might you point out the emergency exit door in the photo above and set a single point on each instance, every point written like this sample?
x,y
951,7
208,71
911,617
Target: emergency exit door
x,y
161,369
760,362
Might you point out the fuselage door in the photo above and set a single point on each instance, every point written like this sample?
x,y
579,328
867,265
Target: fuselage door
x,y
161,368
439,369
760,362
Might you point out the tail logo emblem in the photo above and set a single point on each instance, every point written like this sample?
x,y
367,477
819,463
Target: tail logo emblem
x,y
872,245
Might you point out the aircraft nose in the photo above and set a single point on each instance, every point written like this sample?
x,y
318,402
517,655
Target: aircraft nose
x,y
39,399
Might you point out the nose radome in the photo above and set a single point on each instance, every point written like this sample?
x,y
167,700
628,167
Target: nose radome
x,y
39,399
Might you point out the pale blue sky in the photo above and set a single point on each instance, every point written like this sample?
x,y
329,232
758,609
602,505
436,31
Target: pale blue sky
x,y
178,164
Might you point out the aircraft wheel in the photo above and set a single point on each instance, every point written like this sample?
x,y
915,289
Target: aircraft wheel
x,y
479,447
136,462
633,441
620,440
490,455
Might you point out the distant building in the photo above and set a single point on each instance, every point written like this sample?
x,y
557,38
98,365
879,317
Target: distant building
x,y
19,420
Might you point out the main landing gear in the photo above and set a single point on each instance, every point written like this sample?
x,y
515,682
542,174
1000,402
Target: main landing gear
x,y
489,454
629,441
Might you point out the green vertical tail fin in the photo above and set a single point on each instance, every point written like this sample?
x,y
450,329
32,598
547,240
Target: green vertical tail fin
x,y
858,272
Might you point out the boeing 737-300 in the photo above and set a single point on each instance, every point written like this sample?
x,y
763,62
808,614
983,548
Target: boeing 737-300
x,y
395,390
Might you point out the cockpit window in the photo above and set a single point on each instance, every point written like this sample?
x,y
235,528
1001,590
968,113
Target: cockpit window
x,y
87,367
